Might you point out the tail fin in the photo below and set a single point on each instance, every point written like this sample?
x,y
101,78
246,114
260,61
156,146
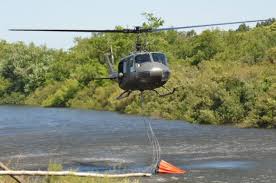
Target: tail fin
x,y
109,59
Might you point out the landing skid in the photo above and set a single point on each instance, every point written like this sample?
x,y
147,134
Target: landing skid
x,y
170,92
125,94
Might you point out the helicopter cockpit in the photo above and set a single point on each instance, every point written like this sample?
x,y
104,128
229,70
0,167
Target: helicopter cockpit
x,y
159,57
151,57
130,63
142,58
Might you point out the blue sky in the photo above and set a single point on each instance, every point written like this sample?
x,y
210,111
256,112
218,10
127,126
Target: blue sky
x,y
104,14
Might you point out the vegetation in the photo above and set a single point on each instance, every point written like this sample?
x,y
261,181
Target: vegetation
x,y
223,77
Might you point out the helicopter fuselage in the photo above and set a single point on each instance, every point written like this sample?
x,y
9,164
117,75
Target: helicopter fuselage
x,y
143,71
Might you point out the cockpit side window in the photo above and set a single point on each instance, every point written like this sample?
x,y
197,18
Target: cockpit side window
x,y
142,58
159,57
130,67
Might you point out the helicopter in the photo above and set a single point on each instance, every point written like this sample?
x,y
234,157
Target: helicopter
x,y
141,70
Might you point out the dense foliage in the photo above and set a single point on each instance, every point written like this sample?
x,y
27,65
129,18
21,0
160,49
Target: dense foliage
x,y
223,77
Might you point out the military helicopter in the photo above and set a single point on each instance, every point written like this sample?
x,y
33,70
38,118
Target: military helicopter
x,y
141,70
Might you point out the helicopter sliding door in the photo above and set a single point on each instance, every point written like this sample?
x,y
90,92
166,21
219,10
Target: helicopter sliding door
x,y
122,71
121,67
127,68
130,71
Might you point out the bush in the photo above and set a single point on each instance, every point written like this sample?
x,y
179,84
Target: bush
x,y
12,98
271,55
60,98
96,97
4,86
42,93
207,116
264,112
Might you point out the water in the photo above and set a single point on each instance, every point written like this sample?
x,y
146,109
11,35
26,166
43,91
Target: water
x,y
86,140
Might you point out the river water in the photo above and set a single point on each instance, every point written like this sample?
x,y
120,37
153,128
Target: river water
x,y
86,140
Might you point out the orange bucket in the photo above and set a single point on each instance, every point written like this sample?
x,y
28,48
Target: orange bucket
x,y
165,167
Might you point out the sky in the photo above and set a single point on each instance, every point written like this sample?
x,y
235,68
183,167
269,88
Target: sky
x,y
106,14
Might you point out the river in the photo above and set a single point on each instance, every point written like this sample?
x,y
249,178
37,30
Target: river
x,y
87,140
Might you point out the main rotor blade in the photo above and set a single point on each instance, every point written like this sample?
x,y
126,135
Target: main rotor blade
x,y
137,29
77,30
206,25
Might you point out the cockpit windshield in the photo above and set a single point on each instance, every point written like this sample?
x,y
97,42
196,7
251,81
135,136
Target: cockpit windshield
x,y
159,57
142,58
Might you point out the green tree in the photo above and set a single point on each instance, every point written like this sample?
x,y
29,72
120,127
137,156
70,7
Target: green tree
x,y
243,28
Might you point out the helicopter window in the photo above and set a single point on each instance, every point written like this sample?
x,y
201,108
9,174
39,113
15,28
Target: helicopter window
x,y
125,66
159,57
130,67
142,58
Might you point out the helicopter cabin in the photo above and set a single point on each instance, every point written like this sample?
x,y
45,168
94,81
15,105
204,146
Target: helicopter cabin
x,y
131,63
137,69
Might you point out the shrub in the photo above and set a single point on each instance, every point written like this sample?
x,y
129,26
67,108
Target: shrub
x,y
60,98
271,55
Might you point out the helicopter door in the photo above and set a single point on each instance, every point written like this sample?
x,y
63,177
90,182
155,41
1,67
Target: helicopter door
x,y
122,69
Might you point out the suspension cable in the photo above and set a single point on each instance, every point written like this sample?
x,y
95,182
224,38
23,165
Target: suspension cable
x,y
156,150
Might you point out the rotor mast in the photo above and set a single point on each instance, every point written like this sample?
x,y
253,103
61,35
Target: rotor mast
x,y
138,44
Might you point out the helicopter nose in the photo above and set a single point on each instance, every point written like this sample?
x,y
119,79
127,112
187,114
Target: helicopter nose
x,y
156,72
160,73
